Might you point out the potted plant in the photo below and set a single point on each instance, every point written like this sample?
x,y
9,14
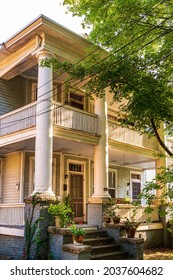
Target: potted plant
x,y
130,227
77,234
62,212
131,224
111,215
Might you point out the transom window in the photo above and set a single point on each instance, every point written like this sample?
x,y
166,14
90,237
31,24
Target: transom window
x,y
75,167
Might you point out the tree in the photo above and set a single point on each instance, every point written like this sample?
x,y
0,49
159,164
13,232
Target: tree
x,y
137,65
165,198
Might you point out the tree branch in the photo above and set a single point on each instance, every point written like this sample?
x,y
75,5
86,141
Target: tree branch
x,y
162,144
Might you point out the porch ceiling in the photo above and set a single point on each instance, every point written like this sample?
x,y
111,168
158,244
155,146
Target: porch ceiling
x,y
116,157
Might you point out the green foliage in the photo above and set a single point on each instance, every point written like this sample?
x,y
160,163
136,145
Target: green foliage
x,y
63,210
77,231
163,183
109,209
31,230
131,223
137,35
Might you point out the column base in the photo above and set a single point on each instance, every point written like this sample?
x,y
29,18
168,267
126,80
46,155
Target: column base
x,y
41,197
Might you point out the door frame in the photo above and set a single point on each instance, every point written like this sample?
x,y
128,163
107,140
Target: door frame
x,y
71,161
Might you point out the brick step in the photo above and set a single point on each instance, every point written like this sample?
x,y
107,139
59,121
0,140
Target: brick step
x,y
105,248
118,255
98,241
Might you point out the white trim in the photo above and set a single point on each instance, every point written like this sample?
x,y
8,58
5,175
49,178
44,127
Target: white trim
x,y
12,231
61,172
22,164
1,176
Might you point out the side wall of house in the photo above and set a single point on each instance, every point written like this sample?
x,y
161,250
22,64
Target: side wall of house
x,y
11,177
12,94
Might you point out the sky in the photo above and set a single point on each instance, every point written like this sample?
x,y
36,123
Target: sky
x,y
16,14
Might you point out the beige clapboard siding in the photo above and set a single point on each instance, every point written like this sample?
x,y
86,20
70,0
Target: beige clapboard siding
x,y
12,94
11,176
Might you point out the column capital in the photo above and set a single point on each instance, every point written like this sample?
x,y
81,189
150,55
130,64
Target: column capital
x,y
43,54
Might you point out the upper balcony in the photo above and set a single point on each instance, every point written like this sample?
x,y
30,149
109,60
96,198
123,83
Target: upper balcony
x,y
127,135
67,117
63,115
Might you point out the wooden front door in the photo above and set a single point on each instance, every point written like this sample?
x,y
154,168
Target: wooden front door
x,y
76,192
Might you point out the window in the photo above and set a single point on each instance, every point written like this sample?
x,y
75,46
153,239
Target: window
x,y
77,100
56,92
112,183
75,167
135,186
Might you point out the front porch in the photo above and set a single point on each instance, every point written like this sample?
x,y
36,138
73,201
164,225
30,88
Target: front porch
x,y
13,214
12,237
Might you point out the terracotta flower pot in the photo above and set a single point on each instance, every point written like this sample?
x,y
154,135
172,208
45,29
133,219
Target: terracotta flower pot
x,y
131,232
116,220
107,220
78,240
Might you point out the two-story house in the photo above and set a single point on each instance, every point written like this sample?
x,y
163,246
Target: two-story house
x,y
57,140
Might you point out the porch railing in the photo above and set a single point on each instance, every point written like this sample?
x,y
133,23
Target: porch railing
x,y
12,214
127,135
19,119
68,117
64,116
126,210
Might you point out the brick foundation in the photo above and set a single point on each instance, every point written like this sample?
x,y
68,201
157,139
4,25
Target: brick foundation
x,y
36,215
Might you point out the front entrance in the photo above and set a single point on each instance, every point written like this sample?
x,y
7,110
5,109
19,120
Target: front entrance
x,y
76,192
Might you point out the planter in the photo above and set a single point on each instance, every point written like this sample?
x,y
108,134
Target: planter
x,y
78,240
116,220
131,232
107,220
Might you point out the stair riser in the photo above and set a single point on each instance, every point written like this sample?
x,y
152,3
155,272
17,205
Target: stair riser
x,y
96,235
121,256
97,242
105,250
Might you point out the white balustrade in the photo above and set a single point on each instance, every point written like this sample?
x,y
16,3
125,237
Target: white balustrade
x,y
127,135
19,119
68,117
64,116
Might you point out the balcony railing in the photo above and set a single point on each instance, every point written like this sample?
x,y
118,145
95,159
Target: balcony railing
x,y
64,116
19,119
130,136
12,214
74,118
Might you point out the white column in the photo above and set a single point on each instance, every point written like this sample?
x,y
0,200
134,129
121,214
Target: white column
x,y
101,151
44,128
